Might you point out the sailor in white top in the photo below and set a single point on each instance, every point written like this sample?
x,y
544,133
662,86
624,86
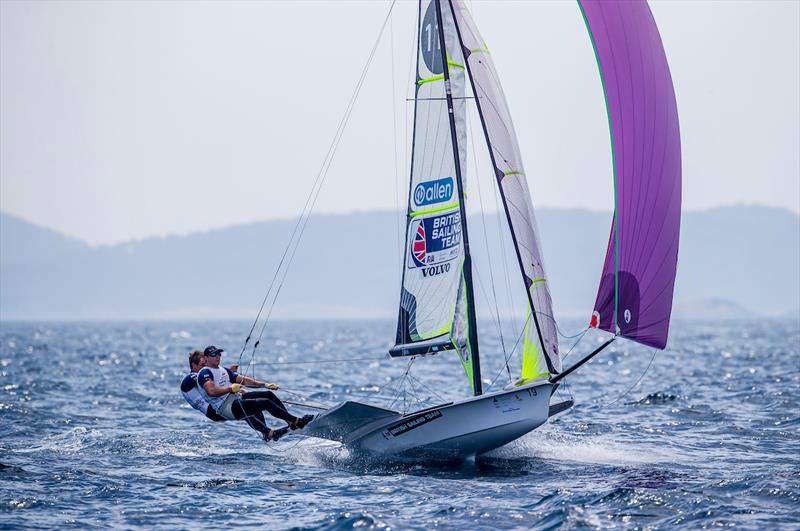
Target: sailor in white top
x,y
222,389
190,390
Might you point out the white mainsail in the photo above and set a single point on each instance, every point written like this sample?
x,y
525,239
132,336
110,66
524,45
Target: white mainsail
x,y
433,311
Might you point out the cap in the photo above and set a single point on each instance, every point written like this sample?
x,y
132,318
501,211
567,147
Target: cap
x,y
211,350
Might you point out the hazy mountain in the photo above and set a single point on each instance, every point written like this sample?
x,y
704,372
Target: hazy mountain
x,y
733,260
711,309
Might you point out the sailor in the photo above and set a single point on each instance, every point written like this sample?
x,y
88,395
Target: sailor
x,y
222,388
190,390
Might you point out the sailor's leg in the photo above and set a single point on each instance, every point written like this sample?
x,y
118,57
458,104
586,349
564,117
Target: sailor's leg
x,y
265,404
253,417
267,395
299,422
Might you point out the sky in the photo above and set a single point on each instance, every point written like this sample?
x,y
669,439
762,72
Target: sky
x,y
124,120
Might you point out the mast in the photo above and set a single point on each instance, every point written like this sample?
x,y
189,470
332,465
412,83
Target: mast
x,y
473,326
499,176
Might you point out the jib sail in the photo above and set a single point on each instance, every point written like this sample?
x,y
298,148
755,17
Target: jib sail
x,y
541,355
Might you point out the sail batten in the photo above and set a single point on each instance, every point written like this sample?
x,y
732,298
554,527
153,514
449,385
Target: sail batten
x,y
429,346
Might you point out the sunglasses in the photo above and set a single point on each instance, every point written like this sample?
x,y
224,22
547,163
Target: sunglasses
x,y
214,355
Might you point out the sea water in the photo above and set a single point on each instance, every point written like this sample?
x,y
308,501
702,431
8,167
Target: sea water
x,y
94,433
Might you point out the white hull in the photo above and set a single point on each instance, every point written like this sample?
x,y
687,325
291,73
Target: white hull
x,y
457,430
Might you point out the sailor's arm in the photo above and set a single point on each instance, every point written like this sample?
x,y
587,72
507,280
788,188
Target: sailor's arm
x,y
252,382
213,390
246,380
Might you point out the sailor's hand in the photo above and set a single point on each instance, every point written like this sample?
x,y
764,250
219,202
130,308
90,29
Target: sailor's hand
x,y
272,386
235,388
234,367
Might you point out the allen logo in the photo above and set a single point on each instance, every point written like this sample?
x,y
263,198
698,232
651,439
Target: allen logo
x,y
438,191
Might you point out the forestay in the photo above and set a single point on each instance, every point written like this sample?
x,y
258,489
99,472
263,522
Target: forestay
x,y
635,294
541,356
433,312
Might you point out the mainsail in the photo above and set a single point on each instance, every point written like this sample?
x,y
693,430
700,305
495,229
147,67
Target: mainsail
x,y
540,355
436,311
635,294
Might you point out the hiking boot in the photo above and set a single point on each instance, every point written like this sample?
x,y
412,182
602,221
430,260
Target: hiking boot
x,y
275,435
302,422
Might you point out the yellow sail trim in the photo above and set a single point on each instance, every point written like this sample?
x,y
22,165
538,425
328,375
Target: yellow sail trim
x,y
430,79
531,357
432,210
483,49
468,363
440,77
437,333
450,62
531,360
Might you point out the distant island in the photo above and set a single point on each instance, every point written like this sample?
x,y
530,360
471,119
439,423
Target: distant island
x,y
737,261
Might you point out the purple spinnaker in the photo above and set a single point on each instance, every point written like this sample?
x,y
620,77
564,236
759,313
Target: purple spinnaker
x,y
636,287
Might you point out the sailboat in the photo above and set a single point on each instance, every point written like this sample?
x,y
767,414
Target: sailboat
x,y
437,304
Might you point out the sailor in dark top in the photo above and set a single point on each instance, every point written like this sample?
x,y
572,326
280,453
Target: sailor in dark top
x,y
190,390
222,389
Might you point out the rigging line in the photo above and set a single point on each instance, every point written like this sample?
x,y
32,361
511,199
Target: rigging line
x,y
394,150
401,384
303,397
501,238
574,345
391,390
558,329
513,350
623,395
305,222
327,361
390,405
488,301
394,386
434,393
517,342
580,332
414,392
401,212
320,175
316,188
331,150
486,241
304,404
290,448
323,172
